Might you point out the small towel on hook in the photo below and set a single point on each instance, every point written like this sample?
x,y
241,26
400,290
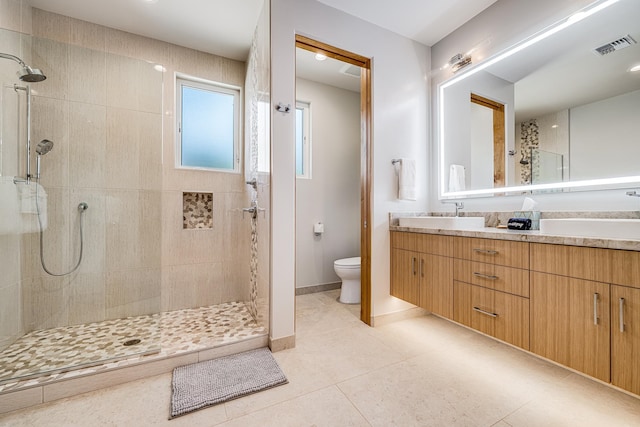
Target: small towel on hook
x,y
407,179
456,178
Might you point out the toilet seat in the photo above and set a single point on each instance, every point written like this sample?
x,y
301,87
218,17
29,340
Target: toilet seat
x,y
348,263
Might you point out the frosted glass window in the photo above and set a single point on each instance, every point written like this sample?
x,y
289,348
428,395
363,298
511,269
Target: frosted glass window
x,y
207,125
303,140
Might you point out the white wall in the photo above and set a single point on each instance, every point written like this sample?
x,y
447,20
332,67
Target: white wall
x,y
332,195
400,69
502,25
594,154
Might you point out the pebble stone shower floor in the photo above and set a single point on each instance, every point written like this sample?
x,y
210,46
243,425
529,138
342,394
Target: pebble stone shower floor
x,y
53,351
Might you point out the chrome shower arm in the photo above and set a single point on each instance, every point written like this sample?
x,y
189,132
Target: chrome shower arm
x,y
13,58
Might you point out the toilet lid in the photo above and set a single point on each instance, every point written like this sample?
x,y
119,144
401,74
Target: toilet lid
x,y
348,262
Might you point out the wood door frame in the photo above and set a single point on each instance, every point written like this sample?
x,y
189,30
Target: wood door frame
x,y
498,137
364,63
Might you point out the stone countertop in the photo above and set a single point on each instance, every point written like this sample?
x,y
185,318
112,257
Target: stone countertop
x,y
533,236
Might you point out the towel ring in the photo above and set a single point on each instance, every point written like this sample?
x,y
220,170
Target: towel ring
x,y
394,161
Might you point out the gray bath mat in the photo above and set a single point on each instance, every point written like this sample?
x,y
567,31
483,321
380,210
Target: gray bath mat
x,y
216,381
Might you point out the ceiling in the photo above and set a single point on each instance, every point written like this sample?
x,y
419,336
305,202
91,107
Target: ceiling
x,y
225,27
329,71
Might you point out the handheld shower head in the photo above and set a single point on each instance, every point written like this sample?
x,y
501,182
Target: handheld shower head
x,y
42,148
26,74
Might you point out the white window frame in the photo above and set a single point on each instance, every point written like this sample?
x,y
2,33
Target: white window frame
x,y
196,82
306,139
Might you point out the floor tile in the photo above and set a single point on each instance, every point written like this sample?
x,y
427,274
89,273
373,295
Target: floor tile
x,y
423,371
327,407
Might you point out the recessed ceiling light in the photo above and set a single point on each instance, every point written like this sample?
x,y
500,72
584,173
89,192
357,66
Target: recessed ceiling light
x,y
554,126
321,56
635,68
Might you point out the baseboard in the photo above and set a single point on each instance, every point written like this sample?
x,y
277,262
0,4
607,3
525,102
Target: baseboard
x,y
385,319
318,288
280,344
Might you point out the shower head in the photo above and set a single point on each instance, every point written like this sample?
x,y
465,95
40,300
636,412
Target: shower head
x,y
31,75
26,74
44,147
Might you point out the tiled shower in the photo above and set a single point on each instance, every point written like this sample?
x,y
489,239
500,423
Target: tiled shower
x,y
164,248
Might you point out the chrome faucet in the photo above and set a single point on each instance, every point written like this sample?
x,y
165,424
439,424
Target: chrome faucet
x,y
633,193
459,206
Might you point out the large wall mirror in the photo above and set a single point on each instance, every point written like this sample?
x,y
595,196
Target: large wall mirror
x,y
559,111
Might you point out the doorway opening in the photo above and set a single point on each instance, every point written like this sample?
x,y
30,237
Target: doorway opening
x,y
352,65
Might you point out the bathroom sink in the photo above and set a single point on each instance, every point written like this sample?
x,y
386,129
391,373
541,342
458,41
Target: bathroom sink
x,y
443,222
592,227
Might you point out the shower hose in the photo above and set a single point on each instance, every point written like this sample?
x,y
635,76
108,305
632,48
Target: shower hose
x,y
82,207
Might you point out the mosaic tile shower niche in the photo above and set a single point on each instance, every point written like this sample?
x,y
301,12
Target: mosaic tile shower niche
x,y
197,210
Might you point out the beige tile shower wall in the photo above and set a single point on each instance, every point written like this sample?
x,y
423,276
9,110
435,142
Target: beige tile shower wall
x,y
202,266
105,119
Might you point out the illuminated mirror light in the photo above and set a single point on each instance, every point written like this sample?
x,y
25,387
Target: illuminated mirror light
x,y
576,17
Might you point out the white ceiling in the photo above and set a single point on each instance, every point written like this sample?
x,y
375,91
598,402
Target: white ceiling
x,y
425,21
225,27
330,71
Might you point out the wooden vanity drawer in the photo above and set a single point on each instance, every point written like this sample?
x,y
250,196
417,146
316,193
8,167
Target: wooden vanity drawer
x,y
500,252
424,243
501,315
505,279
625,268
573,261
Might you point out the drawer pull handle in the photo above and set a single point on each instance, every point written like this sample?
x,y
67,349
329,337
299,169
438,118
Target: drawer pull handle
x,y
485,251
621,314
595,308
485,276
486,313
413,265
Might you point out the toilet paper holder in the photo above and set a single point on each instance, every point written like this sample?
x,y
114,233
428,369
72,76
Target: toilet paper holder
x,y
318,228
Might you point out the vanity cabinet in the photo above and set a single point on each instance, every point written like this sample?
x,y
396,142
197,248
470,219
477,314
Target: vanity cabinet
x,y
491,288
578,306
625,338
421,271
625,320
570,310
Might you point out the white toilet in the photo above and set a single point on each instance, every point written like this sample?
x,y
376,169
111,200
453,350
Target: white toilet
x,y
348,269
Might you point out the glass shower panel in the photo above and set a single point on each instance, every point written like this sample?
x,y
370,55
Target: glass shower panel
x,y
105,121
547,167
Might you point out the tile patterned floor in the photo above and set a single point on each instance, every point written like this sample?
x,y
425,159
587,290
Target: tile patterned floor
x,y
423,371
100,345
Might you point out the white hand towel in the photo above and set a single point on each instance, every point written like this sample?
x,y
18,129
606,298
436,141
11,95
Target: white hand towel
x,y
456,178
29,209
407,180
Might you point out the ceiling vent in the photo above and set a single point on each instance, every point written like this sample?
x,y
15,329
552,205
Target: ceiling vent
x,y
611,47
350,70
